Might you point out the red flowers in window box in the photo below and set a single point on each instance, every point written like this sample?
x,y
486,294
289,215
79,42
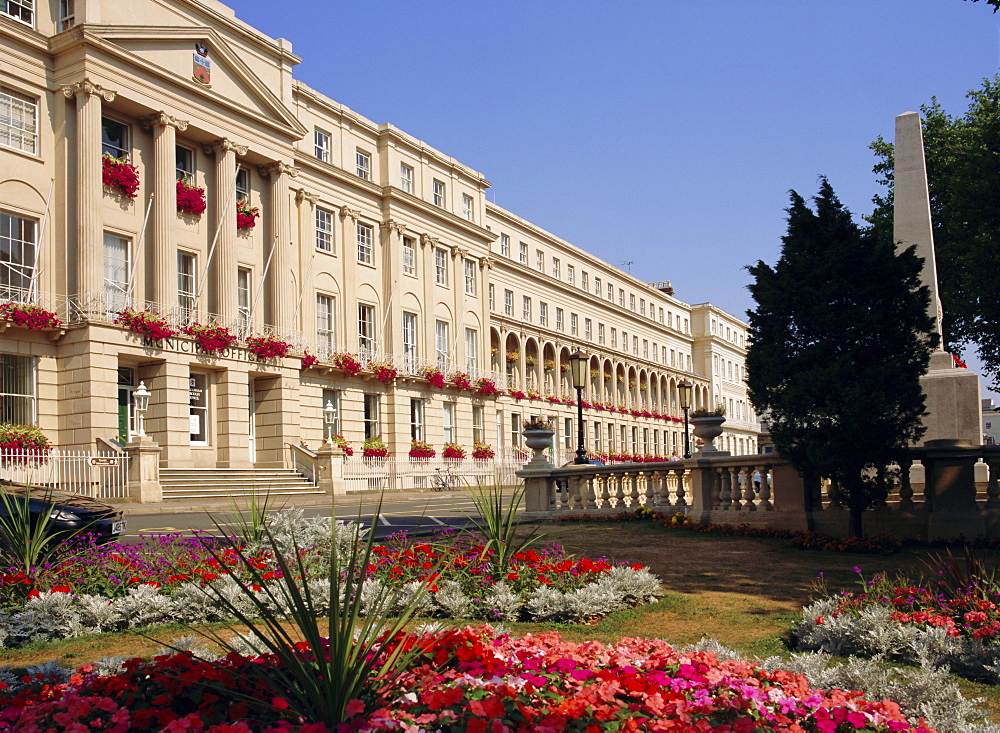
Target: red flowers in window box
x,y
190,199
383,372
120,174
341,442
309,360
210,339
434,376
23,438
246,215
347,363
453,452
460,380
29,316
486,387
268,347
145,323
420,449
517,394
483,452
374,448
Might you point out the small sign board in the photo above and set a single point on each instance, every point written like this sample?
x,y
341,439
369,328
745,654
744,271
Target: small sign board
x,y
202,69
110,461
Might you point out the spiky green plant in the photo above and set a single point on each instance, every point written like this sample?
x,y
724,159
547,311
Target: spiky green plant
x,y
250,522
321,665
496,520
27,540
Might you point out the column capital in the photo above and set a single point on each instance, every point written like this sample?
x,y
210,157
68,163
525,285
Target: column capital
x,y
459,252
277,169
487,263
354,214
426,239
394,226
302,195
224,145
162,119
86,86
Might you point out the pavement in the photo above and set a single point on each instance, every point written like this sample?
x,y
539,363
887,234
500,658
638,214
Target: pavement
x,y
192,506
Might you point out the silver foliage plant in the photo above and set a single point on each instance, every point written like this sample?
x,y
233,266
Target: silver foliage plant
x,y
870,632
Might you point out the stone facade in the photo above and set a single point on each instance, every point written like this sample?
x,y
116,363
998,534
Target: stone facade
x,y
365,242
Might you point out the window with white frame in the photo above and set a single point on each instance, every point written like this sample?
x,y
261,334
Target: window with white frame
x,y
416,419
448,423
242,184
477,424
438,190
611,437
371,416
556,271
621,297
198,385
670,319
324,229
67,14
614,337
331,407
22,10
522,254
645,349
673,358
471,350
116,271
366,329
597,287
366,242
409,256
588,329
18,121
440,266
568,432
515,429
505,245
543,314
631,303
186,284
470,277
642,307
611,293
584,281
441,344
526,309
570,274
406,177
661,316
540,260
321,145
597,436
185,164
363,161
493,296
115,138
508,302
243,298
467,211
559,319
600,333
686,326
635,345
573,326
325,329
409,342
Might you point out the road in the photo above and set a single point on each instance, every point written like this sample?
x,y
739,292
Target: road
x,y
414,512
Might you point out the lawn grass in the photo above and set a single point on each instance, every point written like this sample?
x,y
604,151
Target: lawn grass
x,y
745,592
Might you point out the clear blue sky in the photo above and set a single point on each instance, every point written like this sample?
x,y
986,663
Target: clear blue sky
x,y
662,133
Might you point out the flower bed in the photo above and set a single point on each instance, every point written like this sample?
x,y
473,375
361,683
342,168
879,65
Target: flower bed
x,y
121,175
146,324
190,199
210,339
467,679
29,316
268,347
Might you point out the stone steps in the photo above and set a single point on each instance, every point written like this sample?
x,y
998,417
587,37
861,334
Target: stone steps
x,y
231,483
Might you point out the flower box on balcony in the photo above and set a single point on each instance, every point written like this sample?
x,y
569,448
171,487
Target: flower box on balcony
x,y
433,375
268,347
246,215
420,449
120,175
347,363
210,339
374,448
486,387
483,452
145,323
29,316
383,372
190,199
453,452
460,380
308,361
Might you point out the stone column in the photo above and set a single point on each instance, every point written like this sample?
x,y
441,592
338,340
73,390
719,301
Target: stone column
x,y
89,187
392,254
164,129
331,469
144,471
308,268
223,263
282,284
232,418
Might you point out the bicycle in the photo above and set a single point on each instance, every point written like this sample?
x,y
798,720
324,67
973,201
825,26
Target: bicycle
x,y
444,481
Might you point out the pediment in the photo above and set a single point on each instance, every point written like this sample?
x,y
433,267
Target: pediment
x,y
200,60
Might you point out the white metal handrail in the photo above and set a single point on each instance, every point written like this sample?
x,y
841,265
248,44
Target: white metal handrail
x,y
98,474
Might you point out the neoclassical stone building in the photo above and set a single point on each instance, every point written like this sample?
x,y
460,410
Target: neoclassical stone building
x,y
177,167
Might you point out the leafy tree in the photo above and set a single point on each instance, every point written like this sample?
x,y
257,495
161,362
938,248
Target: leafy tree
x,y
963,173
839,340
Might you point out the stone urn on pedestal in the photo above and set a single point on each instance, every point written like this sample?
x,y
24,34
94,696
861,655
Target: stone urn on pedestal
x,y
708,426
538,435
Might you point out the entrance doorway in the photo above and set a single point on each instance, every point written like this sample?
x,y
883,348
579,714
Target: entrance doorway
x,y
252,443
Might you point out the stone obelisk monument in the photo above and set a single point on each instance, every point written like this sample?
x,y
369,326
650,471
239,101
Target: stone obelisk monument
x,y
953,393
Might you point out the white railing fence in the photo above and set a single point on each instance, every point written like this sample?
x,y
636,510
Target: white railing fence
x,y
408,474
96,474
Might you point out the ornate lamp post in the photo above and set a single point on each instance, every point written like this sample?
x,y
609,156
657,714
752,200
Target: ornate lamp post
x,y
685,390
578,369
329,414
141,397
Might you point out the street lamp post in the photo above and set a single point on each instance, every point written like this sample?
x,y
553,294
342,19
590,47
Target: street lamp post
x,y
329,413
141,397
578,368
685,389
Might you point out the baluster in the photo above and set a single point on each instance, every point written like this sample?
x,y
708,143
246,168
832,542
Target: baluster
x,y
905,489
605,490
571,496
764,492
684,488
635,492
748,492
722,501
619,497
661,498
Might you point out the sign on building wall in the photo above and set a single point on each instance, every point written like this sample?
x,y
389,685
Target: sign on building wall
x,y
202,66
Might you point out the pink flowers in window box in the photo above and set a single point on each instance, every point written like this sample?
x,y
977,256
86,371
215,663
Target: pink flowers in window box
x,y
433,375
486,387
453,452
420,449
120,174
268,347
374,448
145,323
190,199
383,372
246,215
534,394
347,363
341,442
309,360
33,317
210,339
517,394
460,380
483,452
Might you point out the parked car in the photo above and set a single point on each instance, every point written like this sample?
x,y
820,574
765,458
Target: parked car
x,y
69,514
